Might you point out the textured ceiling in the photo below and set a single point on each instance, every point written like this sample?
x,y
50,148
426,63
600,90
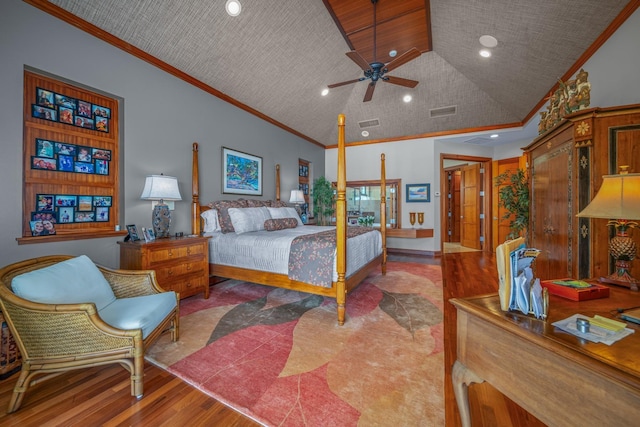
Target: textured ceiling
x,y
277,56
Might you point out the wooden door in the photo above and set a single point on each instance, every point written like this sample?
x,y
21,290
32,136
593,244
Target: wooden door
x,y
500,225
470,186
453,205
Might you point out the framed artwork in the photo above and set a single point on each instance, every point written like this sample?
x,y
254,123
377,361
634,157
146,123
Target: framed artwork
x,y
241,173
418,193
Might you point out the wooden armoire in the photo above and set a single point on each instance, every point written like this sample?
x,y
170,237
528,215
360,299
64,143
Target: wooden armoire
x,y
566,165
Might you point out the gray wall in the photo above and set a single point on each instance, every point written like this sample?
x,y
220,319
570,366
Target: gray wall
x,y
162,117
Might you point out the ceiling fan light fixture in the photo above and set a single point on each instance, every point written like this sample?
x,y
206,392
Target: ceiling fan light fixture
x,y
324,92
233,7
485,53
407,98
393,53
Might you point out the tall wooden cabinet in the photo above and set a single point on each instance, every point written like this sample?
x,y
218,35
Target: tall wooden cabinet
x,y
566,165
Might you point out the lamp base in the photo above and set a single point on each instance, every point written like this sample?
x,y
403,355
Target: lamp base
x,y
621,276
161,220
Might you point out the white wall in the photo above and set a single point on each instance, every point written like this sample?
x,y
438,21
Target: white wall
x,y
162,117
613,73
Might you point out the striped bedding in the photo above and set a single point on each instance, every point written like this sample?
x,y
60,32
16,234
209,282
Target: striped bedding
x,y
269,250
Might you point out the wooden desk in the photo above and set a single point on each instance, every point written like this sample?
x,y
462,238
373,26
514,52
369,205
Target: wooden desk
x,y
557,377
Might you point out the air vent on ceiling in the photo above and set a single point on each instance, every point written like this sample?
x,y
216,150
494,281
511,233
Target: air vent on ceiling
x,y
478,140
369,123
443,111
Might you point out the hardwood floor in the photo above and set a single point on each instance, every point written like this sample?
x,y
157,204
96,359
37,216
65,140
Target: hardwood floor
x,y
100,396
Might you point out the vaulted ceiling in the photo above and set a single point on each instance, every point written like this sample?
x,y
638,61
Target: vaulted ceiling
x,y
275,58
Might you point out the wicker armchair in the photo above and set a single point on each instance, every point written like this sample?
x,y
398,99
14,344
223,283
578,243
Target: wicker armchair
x,y
54,338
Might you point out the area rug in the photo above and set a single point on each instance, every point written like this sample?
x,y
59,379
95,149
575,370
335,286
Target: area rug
x,y
280,358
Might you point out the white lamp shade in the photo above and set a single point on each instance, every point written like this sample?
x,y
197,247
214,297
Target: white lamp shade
x,y
297,197
618,198
161,187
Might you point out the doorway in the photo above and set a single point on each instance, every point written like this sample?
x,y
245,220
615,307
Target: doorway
x,y
465,204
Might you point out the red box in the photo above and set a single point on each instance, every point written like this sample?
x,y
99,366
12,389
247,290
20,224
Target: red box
x,y
576,294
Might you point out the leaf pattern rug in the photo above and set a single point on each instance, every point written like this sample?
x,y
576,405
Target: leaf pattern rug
x,y
279,356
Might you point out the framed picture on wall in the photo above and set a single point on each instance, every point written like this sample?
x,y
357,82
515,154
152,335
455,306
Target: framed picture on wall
x,y
418,193
241,173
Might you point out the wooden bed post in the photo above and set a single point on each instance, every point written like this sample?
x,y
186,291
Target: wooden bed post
x,y
341,224
278,182
195,190
383,212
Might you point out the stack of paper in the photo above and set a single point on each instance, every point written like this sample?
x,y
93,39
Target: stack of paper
x,y
601,329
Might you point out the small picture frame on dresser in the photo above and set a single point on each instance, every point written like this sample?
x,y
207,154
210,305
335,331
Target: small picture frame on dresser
x,y
149,235
133,233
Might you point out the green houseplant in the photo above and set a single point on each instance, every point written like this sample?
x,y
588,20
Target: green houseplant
x,y
323,199
514,197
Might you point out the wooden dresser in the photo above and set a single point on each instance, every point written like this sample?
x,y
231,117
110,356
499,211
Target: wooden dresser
x,y
181,264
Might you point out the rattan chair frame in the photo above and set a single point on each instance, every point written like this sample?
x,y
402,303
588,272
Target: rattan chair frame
x,y
55,338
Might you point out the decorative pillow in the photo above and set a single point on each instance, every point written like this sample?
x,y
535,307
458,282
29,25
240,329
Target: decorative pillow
x,y
278,204
73,281
210,218
222,206
285,212
280,224
248,219
251,203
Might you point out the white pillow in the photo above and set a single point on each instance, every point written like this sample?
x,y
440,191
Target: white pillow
x,y
285,213
245,220
211,223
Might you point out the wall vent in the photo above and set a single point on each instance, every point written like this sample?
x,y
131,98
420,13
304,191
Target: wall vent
x,y
369,123
443,111
478,140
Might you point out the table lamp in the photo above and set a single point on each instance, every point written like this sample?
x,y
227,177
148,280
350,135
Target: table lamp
x,y
161,187
297,199
619,198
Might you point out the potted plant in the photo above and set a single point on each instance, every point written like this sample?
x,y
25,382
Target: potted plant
x,y
514,197
323,198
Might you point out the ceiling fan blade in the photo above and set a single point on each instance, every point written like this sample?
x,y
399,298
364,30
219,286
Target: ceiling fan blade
x,y
358,59
400,81
369,93
348,82
412,53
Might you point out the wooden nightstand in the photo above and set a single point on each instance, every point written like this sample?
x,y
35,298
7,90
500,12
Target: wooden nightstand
x,y
181,264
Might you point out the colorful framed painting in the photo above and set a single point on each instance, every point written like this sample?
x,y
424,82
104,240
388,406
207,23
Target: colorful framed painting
x,y
241,173
418,193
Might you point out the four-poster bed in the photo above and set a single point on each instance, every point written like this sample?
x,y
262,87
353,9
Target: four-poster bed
x,y
346,276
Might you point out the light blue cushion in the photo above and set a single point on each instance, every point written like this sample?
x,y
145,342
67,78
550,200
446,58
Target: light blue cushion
x,y
145,312
76,280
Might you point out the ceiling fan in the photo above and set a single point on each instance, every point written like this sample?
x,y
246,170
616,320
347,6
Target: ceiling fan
x,y
377,70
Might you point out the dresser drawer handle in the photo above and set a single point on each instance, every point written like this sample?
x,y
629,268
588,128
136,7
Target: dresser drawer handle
x,y
188,285
188,251
189,267
170,272
170,253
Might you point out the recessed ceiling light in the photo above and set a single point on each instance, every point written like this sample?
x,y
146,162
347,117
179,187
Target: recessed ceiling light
x,y
495,135
325,92
393,53
233,7
488,41
407,98
485,53
365,133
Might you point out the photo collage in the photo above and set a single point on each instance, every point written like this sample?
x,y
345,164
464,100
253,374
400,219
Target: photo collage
x,y
52,209
63,157
75,112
